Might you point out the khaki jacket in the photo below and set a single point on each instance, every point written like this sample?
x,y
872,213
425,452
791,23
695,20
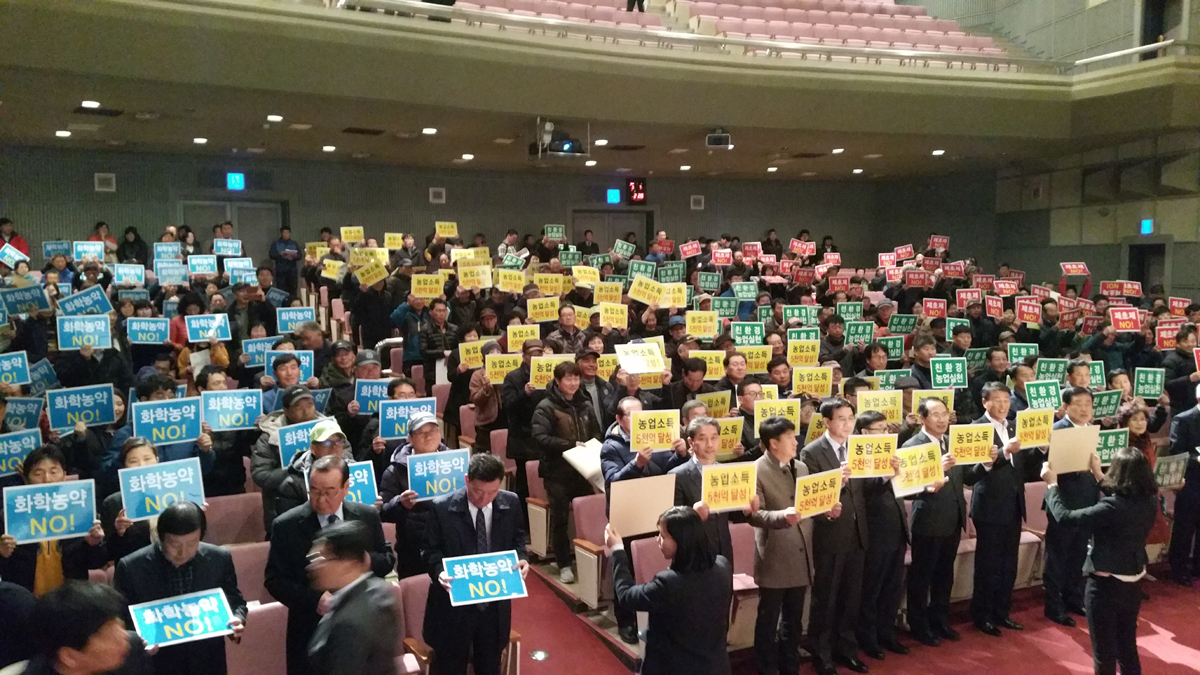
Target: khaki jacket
x,y
782,552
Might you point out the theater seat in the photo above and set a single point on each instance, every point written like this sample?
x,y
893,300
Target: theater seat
x,y
466,426
235,519
591,562
250,563
539,511
389,532
441,394
263,645
251,486
499,440
745,592
417,655
418,378
647,559
1035,524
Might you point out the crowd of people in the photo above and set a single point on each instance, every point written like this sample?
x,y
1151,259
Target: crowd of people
x,y
327,553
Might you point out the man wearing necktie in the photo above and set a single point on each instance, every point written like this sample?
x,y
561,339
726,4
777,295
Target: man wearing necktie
x,y
478,518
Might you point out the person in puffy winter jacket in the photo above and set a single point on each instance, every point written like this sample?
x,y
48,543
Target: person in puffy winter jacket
x,y
400,505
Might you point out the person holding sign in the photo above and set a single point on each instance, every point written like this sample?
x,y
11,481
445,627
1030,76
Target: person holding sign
x,y
687,603
518,399
1185,437
1117,526
704,440
478,518
341,375
292,537
228,473
179,564
326,439
123,536
400,504
691,384
437,340
266,461
43,566
1134,417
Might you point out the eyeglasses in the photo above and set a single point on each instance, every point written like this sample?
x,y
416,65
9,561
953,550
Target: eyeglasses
x,y
327,493
315,558
330,443
753,394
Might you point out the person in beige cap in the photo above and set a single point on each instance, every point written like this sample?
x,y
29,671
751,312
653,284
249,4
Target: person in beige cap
x,y
326,439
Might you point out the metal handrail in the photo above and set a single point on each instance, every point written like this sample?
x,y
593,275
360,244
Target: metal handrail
x,y
1125,52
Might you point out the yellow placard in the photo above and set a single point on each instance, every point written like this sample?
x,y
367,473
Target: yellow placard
x,y
427,285
352,235
818,493
471,353
371,273
549,284
816,427
870,456
446,229
650,381
717,402
786,407
812,381
641,357
614,315
657,429
583,315
585,274
482,253
702,324
1033,427
541,368
971,443
445,274
510,281
321,251
646,290
714,359
757,359
332,269
662,344
543,309
728,487
310,248
457,254
803,353
920,465
731,436
517,335
770,392
393,240
499,365
946,396
674,295
886,402
606,365
608,291
479,276
364,256
473,262
872,380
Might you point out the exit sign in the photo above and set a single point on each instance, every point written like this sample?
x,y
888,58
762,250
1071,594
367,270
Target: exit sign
x,y
235,181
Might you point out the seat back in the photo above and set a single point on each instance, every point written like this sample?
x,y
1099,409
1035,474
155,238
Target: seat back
x,y
250,563
499,438
647,559
263,644
418,378
235,519
389,533
536,487
251,486
396,361
441,393
466,420
338,308
398,595
413,593
742,535
1035,517
590,517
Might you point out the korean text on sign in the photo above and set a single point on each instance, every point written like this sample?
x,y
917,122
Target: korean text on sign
x,y
49,511
76,332
362,483
654,429
437,473
203,327
15,447
368,394
870,456
167,422
789,408
971,443
394,415
92,405
147,490
183,618
1033,427
231,410
728,487
920,466
485,577
818,493
294,439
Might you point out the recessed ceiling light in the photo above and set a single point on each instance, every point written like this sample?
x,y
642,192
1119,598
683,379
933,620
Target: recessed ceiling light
x,y
601,141
468,156
503,141
114,141
199,141
146,115
807,174
623,169
360,155
256,151
677,151
274,118
872,156
938,153
299,127
838,151
90,104
685,167
328,148
62,133
858,171
429,131
772,169
590,162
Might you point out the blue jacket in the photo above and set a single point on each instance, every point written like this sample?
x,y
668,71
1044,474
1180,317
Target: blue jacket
x,y
166,453
410,323
745,308
285,267
619,462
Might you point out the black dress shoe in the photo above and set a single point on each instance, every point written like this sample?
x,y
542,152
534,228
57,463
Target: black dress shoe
x,y
927,639
1062,619
947,633
1011,625
873,652
628,634
895,647
852,663
824,668
989,629
1076,609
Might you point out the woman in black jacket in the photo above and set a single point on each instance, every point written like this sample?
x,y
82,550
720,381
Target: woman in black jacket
x,y
1119,524
123,536
132,248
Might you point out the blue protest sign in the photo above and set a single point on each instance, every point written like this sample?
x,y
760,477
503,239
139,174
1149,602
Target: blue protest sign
x,y
14,368
64,290
166,251
133,294
147,490
393,415
183,618
3,315
16,446
368,394
91,300
171,272
42,378
9,255
147,331
257,348
203,327
294,439
486,577
362,483
204,265
75,332
239,264
49,511
170,309
290,318
231,410
227,247
277,297
437,473
248,277
23,413
24,300
53,248
166,422
129,274
181,390
306,363
87,249
92,405
321,399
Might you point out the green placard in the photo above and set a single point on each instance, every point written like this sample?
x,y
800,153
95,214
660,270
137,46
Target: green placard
x,y
745,290
641,268
672,272
617,278
1096,375
1050,369
624,249
887,378
1169,471
850,311
1111,441
1106,403
725,307
710,281
556,231
691,292
748,334
599,261
1017,351
951,322
902,324
1148,382
570,258
976,359
895,346
513,262
859,332
807,314
949,373
1043,395
803,334
762,313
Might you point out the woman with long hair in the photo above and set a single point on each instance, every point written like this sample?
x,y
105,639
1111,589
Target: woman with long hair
x,y
1137,418
688,602
1119,524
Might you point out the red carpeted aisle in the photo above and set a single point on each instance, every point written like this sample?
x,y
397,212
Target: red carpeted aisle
x,y
547,624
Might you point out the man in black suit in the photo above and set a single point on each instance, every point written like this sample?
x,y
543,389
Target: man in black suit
x,y
360,633
292,536
478,518
839,548
997,509
177,565
1185,438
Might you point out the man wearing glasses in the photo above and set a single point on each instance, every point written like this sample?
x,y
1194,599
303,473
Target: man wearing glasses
x,y
327,439
292,537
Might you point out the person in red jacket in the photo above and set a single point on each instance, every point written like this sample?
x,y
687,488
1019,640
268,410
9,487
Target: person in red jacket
x,y
9,236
